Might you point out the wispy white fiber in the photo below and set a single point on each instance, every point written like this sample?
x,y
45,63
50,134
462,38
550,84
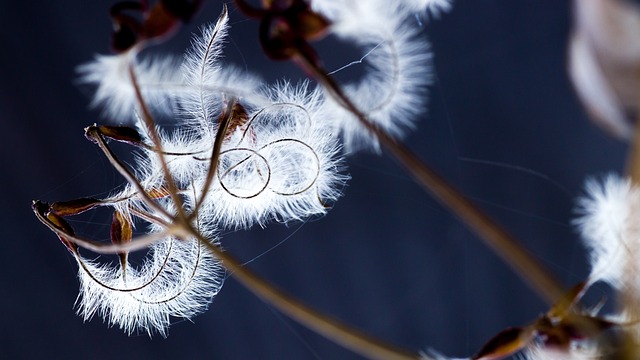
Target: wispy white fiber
x,y
431,354
207,82
280,157
607,225
282,165
432,7
115,93
178,279
584,351
182,150
393,91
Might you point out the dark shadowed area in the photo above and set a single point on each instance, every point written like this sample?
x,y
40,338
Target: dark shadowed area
x,y
503,125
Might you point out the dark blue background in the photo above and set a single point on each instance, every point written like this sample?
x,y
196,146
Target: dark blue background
x,y
387,258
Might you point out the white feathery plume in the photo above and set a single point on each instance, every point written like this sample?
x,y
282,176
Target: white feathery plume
x,y
432,7
282,164
279,161
584,351
207,81
200,67
114,89
611,231
179,278
608,229
182,149
394,89
431,354
176,281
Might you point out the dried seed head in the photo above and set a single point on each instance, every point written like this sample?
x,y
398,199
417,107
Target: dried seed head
x,y
74,207
238,119
44,213
134,22
505,343
121,233
121,133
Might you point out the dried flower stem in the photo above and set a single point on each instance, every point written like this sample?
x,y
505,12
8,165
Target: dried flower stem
x,y
93,132
332,329
223,125
151,128
336,331
142,242
493,235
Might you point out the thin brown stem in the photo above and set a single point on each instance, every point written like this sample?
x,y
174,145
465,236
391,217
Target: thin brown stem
x,y
139,243
215,152
332,329
150,124
493,235
94,133
322,324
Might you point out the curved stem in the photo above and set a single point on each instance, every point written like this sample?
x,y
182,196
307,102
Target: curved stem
x,y
139,243
150,124
332,329
493,235
95,134
223,125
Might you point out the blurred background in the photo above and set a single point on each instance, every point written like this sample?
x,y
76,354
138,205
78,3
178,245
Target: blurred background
x,y
503,125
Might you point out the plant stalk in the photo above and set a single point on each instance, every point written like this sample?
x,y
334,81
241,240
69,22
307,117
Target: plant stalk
x,y
494,236
334,330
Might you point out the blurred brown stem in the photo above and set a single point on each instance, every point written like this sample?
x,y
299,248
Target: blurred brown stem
x,y
493,235
331,329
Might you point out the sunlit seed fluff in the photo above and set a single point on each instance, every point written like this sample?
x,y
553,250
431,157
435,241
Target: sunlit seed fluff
x,y
370,8
583,351
608,224
431,354
178,279
431,7
115,93
126,199
184,153
281,165
207,83
393,90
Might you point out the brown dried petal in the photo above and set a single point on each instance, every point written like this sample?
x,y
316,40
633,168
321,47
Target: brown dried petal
x,y
44,214
238,118
74,207
121,233
121,229
507,342
277,38
63,225
183,9
159,23
287,26
127,29
310,25
158,193
121,133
